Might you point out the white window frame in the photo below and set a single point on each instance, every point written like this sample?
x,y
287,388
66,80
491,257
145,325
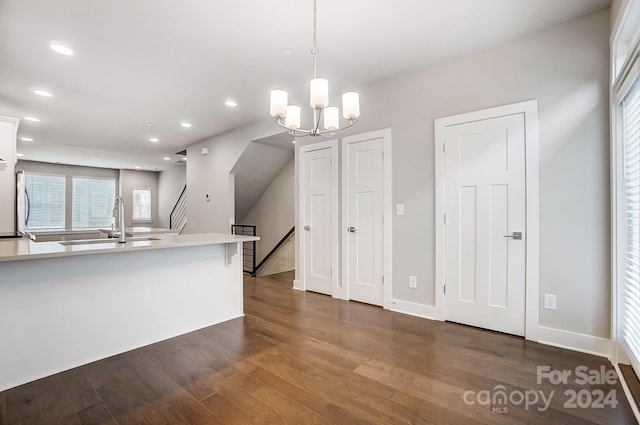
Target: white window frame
x,y
133,206
625,67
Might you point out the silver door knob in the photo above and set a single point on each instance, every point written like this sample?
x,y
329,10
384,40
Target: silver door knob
x,y
307,227
352,229
516,236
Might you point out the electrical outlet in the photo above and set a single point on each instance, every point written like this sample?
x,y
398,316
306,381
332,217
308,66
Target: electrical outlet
x,y
550,302
399,209
413,282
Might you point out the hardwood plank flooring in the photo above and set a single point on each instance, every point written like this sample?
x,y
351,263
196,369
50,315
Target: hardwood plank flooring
x,y
304,358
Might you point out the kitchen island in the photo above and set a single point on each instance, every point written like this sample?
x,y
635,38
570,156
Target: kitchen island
x,y
64,304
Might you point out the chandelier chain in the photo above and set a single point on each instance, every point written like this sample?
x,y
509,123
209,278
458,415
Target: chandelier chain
x,y
314,49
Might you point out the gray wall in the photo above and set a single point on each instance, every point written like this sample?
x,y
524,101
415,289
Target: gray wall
x,y
135,179
256,168
210,175
616,7
274,213
566,69
67,170
170,184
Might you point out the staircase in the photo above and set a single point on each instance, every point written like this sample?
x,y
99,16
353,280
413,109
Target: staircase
x,y
178,216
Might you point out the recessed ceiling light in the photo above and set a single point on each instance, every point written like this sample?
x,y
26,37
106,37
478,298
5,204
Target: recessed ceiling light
x,y
293,141
184,159
26,139
166,158
154,140
63,50
43,93
231,103
20,154
186,125
287,52
32,119
95,157
149,124
137,168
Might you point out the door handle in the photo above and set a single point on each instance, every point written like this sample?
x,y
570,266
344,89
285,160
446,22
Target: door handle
x,y
352,229
307,227
516,236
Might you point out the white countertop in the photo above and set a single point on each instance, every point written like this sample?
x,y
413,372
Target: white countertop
x,y
26,249
141,230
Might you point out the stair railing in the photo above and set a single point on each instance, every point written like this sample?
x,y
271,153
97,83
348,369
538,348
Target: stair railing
x,y
178,216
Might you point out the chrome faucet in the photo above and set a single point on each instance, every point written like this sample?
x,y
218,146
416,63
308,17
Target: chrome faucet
x,y
118,213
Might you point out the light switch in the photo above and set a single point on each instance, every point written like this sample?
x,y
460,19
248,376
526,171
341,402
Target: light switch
x,y
550,302
399,209
413,282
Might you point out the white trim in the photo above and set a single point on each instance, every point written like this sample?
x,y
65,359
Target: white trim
x,y
618,93
385,135
621,83
573,341
413,309
299,282
530,110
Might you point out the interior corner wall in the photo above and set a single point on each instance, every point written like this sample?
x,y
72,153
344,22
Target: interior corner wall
x,y
171,182
210,175
274,213
566,68
136,179
616,7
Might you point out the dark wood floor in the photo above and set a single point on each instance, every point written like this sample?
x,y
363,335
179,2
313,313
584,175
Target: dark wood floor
x,y
304,358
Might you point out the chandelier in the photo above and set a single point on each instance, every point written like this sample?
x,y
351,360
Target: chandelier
x,y
288,116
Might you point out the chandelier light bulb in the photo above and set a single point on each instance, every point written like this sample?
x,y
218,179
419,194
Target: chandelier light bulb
x,y
351,105
292,120
278,106
319,93
331,118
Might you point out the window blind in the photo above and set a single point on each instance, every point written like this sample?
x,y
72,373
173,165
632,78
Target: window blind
x,y
142,204
93,200
46,201
631,207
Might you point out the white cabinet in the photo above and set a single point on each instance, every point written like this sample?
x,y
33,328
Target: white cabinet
x,y
8,131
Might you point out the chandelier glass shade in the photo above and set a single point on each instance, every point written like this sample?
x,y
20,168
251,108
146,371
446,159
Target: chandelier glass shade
x,y
288,116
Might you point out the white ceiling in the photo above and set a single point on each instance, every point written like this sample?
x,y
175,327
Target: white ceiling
x,y
164,62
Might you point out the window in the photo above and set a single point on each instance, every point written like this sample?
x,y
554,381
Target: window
x,y
46,201
142,204
93,200
630,191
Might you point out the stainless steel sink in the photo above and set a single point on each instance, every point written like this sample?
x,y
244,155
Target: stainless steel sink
x,y
105,241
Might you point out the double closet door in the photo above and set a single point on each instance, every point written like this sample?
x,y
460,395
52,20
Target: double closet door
x,y
349,227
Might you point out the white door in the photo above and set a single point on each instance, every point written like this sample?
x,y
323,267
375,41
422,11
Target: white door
x,y
364,223
485,213
317,227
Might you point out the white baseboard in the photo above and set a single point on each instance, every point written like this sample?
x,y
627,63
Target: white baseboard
x,y
555,337
413,309
573,341
297,285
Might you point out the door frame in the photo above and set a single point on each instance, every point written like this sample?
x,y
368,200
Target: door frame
x,y
299,280
529,109
385,135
